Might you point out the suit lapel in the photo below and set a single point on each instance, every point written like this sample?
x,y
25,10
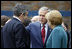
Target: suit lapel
x,y
48,33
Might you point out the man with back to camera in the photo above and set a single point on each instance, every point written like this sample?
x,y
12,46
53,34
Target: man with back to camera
x,y
39,31
14,33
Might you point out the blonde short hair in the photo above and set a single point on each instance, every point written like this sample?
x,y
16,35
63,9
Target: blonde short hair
x,y
54,17
35,18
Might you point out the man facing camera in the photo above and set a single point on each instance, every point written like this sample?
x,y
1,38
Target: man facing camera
x,y
39,31
14,33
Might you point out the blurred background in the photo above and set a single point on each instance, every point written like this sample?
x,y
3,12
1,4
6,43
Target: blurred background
x,y
63,6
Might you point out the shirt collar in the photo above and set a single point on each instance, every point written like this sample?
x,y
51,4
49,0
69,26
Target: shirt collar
x,y
16,18
45,25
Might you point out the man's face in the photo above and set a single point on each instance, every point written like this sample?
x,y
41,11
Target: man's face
x,y
23,17
64,26
42,18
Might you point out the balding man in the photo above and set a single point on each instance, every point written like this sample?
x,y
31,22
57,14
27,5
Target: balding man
x,y
38,32
35,19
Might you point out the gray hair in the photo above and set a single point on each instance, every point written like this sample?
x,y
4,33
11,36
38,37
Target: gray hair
x,y
19,9
44,9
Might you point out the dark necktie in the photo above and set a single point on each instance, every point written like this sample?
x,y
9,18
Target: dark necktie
x,y
43,34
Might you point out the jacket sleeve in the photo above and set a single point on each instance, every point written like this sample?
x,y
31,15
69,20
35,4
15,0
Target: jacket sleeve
x,y
56,39
28,28
21,36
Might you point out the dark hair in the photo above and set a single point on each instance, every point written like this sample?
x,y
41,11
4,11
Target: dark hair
x,y
26,22
19,9
4,19
66,25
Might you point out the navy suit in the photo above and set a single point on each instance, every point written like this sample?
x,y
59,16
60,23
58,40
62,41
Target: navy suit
x,y
35,35
15,35
1,39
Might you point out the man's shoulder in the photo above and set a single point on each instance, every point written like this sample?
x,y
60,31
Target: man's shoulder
x,y
16,21
35,23
13,22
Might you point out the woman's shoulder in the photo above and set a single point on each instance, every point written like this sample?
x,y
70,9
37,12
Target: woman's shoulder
x,y
58,30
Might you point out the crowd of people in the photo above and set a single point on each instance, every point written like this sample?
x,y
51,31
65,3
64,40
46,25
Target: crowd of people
x,y
46,30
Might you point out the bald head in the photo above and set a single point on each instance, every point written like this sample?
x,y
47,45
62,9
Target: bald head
x,y
35,18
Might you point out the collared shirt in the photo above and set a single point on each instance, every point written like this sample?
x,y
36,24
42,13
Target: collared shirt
x,y
16,18
8,21
46,28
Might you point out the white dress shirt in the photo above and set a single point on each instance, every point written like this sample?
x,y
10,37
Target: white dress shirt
x,y
46,28
16,18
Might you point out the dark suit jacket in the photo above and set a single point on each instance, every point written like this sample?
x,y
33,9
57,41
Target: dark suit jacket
x,y
35,35
69,38
15,35
1,39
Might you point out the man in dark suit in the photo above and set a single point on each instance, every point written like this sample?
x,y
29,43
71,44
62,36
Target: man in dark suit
x,y
38,32
3,21
66,28
14,33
